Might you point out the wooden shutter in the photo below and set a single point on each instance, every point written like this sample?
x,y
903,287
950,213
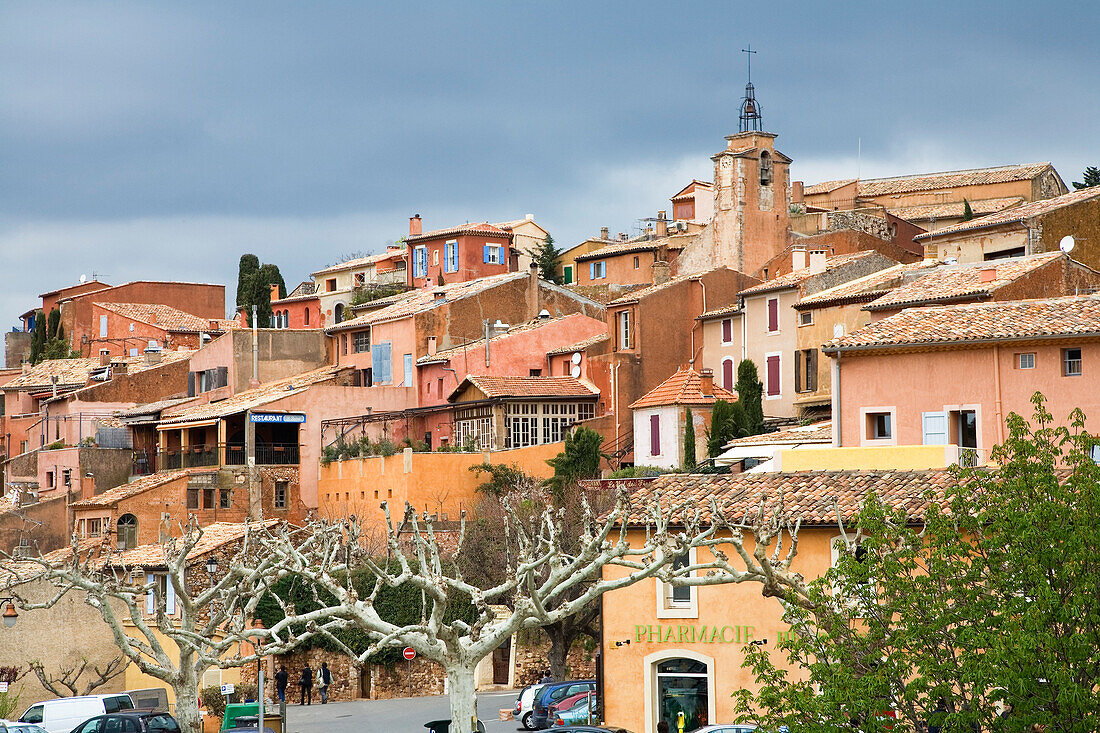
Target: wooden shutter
x,y
654,435
727,374
798,359
485,254
811,371
773,375
190,384
773,314
150,597
727,330
223,377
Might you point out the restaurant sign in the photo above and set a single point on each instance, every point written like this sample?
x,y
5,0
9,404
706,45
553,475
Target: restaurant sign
x,y
277,417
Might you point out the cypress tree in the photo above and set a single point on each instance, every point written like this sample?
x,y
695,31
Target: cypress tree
x,y
689,441
750,394
248,267
968,213
52,324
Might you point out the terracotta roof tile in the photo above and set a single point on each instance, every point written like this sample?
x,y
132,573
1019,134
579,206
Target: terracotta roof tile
x,y
796,277
810,496
955,282
249,399
359,262
729,310
947,179
645,292
683,388
866,288
634,245
605,293
1017,214
534,387
580,345
827,186
74,372
955,210
153,408
168,318
818,432
111,497
976,322
483,229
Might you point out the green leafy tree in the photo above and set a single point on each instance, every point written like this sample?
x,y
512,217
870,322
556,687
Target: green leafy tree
x,y
750,395
579,460
548,259
989,607
968,213
727,421
38,337
1091,178
689,441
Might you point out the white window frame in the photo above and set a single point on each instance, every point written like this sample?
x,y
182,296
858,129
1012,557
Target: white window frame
x,y
778,395
953,439
492,254
625,327
1020,360
103,326
722,331
892,410
802,322
667,608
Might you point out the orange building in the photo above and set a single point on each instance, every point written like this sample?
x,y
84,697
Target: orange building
x,y
458,254
125,329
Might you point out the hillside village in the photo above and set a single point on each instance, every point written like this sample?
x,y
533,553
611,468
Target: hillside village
x,y
893,324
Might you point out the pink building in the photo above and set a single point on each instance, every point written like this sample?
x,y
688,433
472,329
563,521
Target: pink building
x,y
457,254
963,369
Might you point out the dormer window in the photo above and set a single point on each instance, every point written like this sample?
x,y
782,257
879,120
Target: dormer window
x,y
765,168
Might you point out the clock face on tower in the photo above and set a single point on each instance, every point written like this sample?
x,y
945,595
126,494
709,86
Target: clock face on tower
x,y
727,163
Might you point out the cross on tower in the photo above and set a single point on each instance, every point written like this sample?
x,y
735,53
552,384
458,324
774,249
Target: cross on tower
x,y
748,52
750,108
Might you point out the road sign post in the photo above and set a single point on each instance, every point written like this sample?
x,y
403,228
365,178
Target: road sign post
x,y
409,654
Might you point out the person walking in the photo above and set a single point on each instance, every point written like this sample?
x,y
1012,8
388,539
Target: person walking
x,y
281,678
306,683
325,679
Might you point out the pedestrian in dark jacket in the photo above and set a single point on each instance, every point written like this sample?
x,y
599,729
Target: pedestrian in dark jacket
x,y
306,682
281,678
325,680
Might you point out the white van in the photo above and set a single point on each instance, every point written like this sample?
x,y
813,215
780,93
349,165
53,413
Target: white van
x,y
65,713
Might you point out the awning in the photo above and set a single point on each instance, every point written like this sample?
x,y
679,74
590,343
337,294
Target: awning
x,y
185,425
762,451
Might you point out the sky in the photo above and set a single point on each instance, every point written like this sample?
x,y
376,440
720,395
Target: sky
x,y
163,140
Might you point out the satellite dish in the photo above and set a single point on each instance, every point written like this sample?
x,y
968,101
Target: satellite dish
x,y
575,372
1066,243
576,357
83,279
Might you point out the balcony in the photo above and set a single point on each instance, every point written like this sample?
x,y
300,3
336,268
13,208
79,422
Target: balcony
x,y
145,463
199,456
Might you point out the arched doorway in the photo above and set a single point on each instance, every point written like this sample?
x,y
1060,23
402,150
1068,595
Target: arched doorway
x,y
338,313
127,531
679,682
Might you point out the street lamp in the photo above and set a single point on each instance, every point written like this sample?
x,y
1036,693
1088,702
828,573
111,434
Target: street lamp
x,y
211,567
10,614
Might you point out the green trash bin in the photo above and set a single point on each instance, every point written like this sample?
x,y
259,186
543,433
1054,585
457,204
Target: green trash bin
x,y
235,710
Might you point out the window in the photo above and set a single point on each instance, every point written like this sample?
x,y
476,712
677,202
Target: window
x,y
1071,362
330,285
1025,361
934,428
435,257
597,270
879,426
192,498
450,263
964,425
344,343
161,724
624,330
772,372
491,254
637,263
163,594
103,326
805,370
305,315
362,342
381,363
338,314
208,498
67,477
680,595
683,686
360,279
727,374
805,318
773,315
654,435
33,715
408,380
92,726
49,479
225,498
534,372
678,601
420,262
280,494
727,331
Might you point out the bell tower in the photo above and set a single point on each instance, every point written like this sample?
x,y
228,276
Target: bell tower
x,y
751,193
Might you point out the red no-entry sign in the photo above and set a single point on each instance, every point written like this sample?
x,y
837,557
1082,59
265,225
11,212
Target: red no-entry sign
x,y
409,653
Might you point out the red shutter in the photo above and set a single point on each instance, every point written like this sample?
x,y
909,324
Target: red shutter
x,y
654,435
773,375
727,374
773,314
727,330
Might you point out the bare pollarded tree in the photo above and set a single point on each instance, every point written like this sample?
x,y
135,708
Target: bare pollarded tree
x,y
166,613
77,677
545,566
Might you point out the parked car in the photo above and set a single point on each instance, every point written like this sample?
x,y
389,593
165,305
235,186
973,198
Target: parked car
x,y
525,705
581,712
567,702
62,714
588,729
130,721
555,692
727,728
8,726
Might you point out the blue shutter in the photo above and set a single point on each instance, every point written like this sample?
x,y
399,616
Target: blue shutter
x,y
170,601
591,270
485,254
381,364
150,597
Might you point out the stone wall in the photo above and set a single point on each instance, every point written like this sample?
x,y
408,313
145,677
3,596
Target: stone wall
x,y
531,661
876,226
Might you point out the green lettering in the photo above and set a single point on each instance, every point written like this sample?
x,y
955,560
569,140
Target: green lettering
x,y
750,631
682,631
651,633
724,639
639,632
703,634
671,631
714,634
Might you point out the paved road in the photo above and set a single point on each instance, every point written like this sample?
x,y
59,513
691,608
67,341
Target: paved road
x,y
401,715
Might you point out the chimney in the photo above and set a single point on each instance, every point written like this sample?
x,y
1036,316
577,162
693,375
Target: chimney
x,y
706,381
798,259
415,225
119,367
438,295
431,346
662,272
104,357
623,236
605,233
649,230
796,192
152,352
987,274
817,261
214,325
662,224
500,328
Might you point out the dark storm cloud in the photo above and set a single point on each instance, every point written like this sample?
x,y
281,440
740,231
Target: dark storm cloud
x,y
163,139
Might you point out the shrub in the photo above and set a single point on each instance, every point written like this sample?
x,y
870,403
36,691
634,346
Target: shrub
x,y
214,701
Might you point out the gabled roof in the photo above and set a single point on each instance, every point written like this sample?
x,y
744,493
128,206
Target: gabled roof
x,y
636,295
814,497
685,387
357,262
682,193
484,229
796,277
641,244
514,223
527,387
946,283
827,186
112,497
306,290
249,399
729,310
868,287
1013,320
582,345
73,373
821,432
955,209
168,318
1017,214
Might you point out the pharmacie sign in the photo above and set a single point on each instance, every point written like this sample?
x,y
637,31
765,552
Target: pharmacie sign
x,y
277,417
689,634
